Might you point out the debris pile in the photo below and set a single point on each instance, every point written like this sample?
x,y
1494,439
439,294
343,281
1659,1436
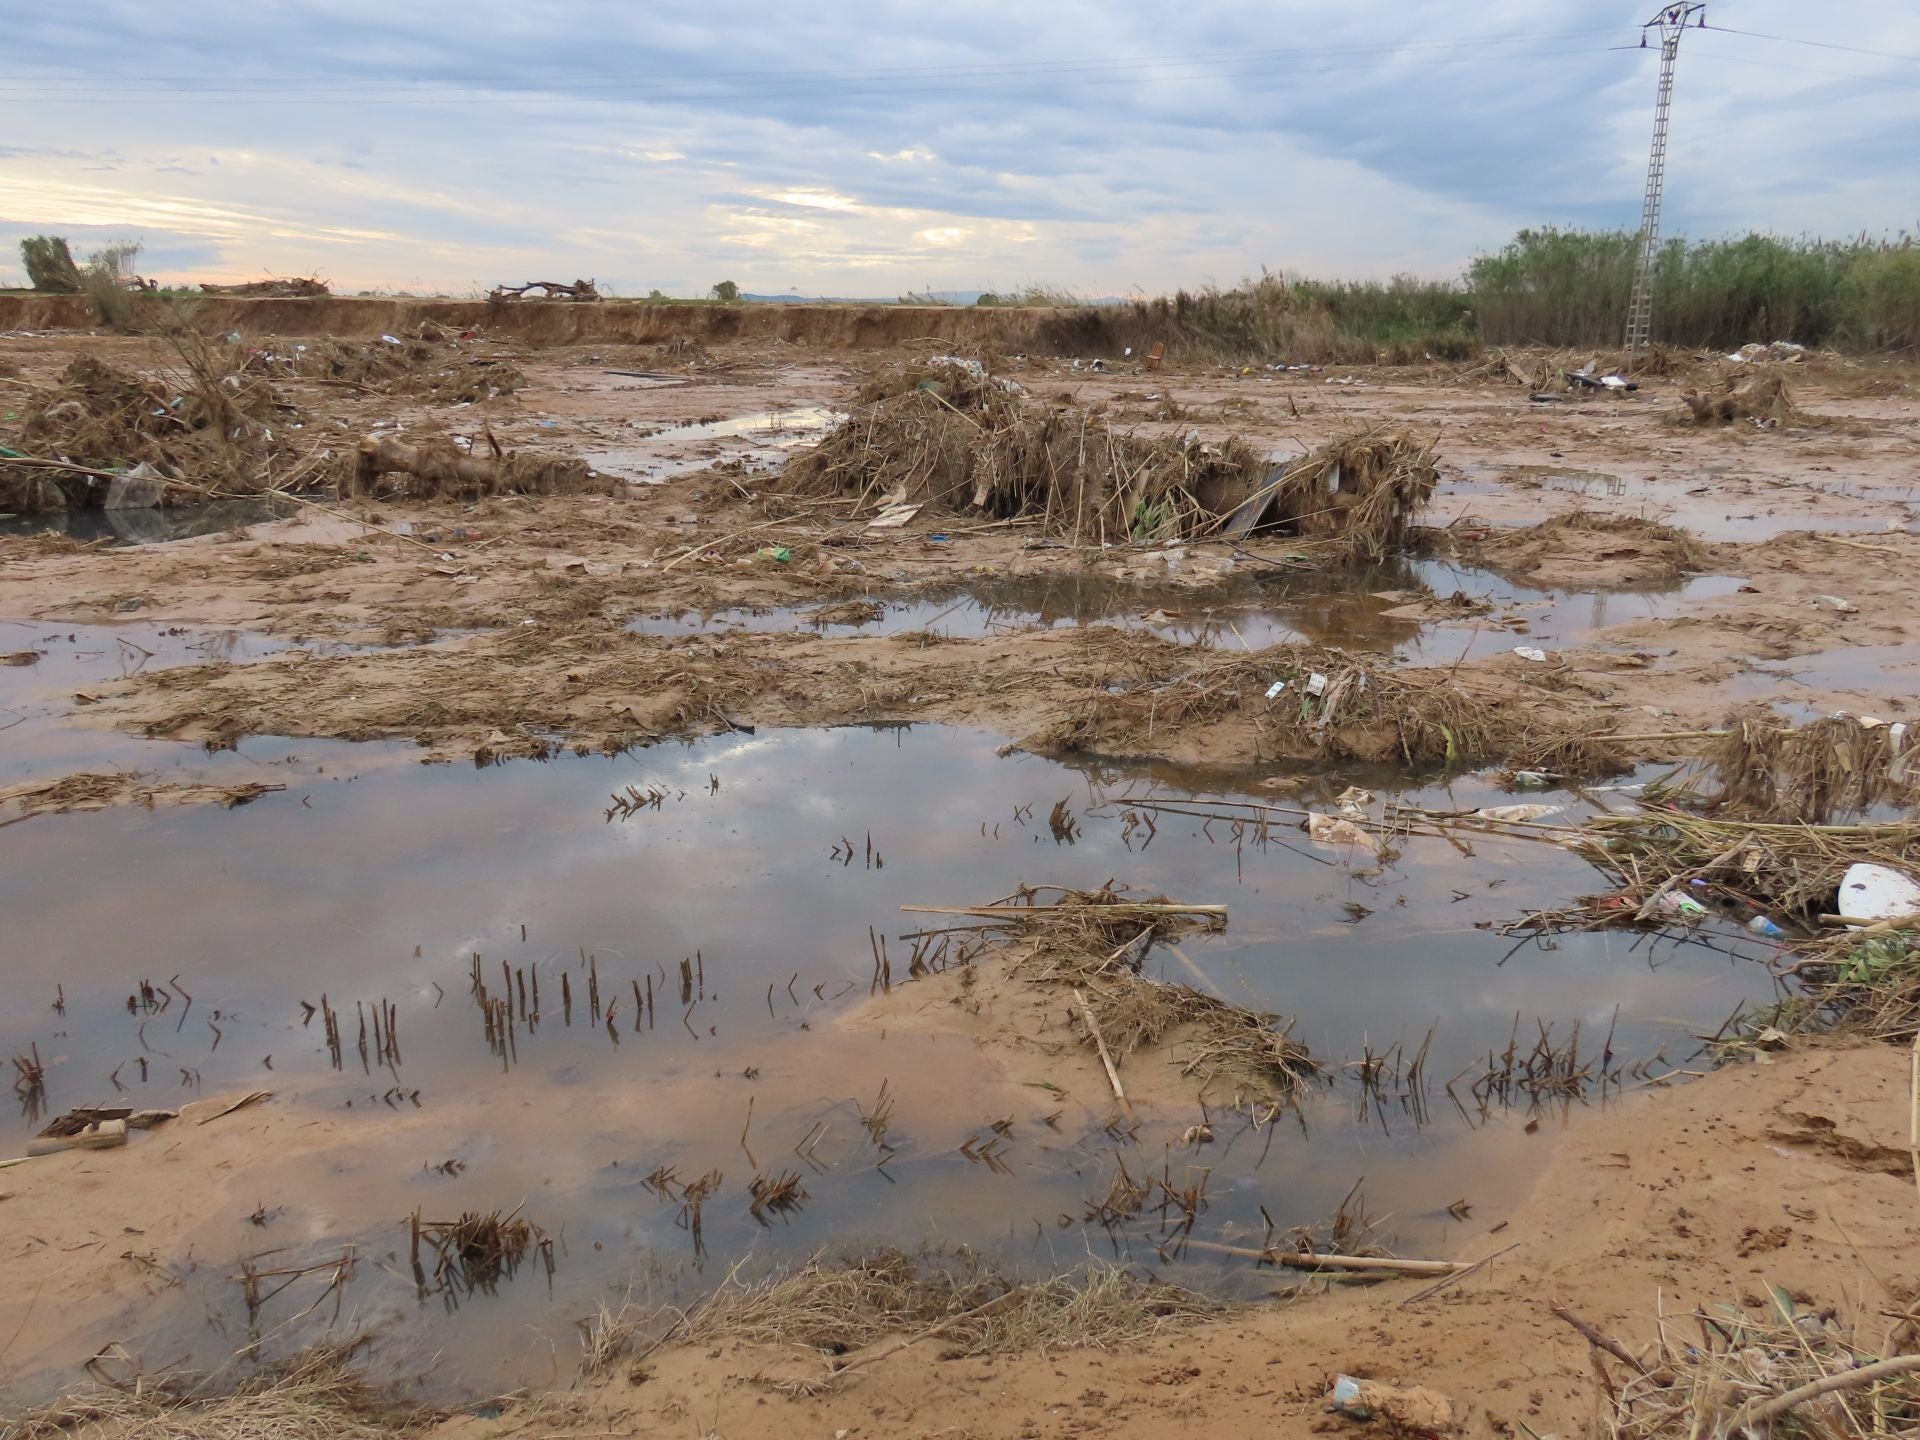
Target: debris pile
x,y
293,288
1094,944
947,433
549,290
208,428
1838,767
1307,702
421,366
441,469
1764,400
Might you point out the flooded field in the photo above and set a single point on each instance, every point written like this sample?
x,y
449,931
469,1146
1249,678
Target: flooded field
x,y
766,863
1373,610
611,860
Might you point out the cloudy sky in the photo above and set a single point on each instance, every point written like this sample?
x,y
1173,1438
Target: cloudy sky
x,y
841,148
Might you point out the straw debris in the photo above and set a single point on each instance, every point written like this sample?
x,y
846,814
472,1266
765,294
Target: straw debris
x,y
1833,768
949,434
1765,401
1332,705
422,365
314,1397
841,1306
205,426
1790,1372
1096,943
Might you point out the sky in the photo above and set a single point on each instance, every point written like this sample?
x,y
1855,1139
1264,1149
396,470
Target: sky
x,y
881,148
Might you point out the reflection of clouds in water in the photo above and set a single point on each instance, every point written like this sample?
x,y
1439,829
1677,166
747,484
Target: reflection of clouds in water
x,y
263,906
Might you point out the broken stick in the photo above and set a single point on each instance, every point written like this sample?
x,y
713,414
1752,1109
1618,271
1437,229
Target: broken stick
x,y
1093,1029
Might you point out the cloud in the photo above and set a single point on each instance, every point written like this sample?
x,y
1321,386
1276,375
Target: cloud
x,y
1100,148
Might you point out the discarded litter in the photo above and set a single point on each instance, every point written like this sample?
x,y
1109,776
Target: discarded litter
x,y
1316,684
1761,925
1274,690
1835,602
1331,830
1682,906
1531,652
779,554
1513,813
1412,1410
1875,892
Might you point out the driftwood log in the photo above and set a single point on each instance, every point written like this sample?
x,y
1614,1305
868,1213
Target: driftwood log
x,y
442,468
550,290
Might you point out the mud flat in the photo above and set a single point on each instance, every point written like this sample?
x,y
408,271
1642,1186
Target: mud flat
x,y
732,891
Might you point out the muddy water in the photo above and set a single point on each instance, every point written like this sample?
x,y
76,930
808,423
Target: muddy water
x,y
1712,502
1367,611
761,437
756,861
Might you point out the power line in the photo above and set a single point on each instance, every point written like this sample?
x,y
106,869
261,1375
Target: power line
x,y
1855,75
1816,44
678,82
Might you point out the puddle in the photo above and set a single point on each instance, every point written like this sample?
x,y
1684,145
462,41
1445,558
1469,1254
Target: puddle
x,y
767,435
1714,502
148,527
755,860
1250,614
1879,669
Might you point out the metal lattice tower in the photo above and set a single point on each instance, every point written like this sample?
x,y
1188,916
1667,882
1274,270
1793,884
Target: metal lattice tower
x,y
1671,23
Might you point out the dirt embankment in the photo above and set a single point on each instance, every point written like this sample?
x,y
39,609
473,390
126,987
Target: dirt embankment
x,y
537,322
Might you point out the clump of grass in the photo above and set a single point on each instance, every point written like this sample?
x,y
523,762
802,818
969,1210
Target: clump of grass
x,y
1095,943
1361,707
1789,1372
837,1306
1833,768
949,434
314,1397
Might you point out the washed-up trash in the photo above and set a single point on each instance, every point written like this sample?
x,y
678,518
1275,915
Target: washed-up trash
x,y
1836,602
1412,1409
1876,892
1353,802
779,554
141,488
1531,780
894,516
1316,684
1331,830
1516,813
1681,905
1761,925
1784,350
1531,652
1275,690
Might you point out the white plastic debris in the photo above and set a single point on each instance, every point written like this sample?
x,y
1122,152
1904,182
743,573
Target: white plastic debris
x,y
1836,602
1516,814
389,340
1316,684
1331,830
1531,652
1274,690
1875,892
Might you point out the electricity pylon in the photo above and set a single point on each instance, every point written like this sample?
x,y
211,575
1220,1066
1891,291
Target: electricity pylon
x,y
1671,23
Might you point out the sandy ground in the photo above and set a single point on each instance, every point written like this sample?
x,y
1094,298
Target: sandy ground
x,y
501,628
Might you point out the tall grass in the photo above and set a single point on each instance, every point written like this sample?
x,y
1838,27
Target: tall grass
x,y
1548,287
1571,287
